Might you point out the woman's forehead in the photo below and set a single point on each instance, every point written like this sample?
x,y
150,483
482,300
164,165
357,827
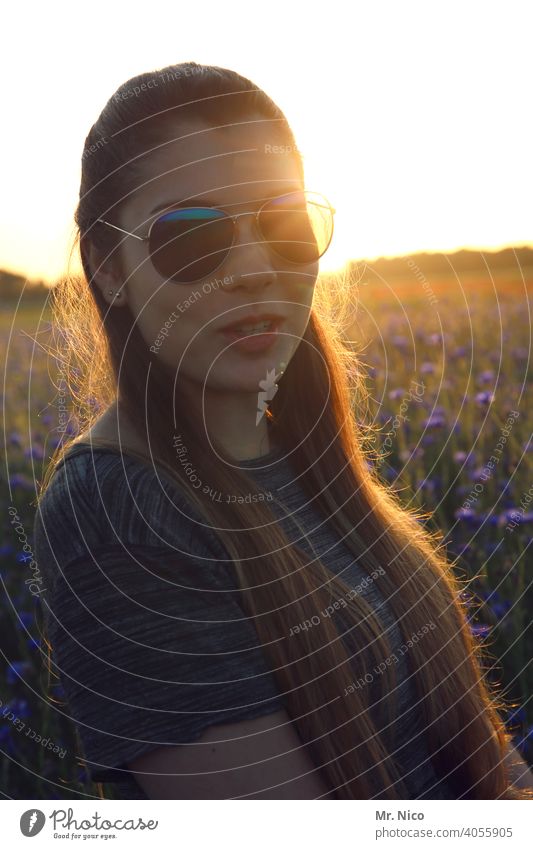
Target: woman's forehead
x,y
233,164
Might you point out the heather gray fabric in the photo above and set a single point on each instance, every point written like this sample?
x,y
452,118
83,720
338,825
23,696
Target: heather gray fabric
x,y
147,630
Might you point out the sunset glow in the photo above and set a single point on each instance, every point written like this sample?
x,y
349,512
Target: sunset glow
x,y
412,118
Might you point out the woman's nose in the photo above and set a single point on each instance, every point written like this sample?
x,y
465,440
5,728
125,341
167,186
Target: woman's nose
x,y
250,256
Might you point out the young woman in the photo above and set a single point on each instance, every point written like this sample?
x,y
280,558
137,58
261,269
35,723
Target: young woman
x,y
237,606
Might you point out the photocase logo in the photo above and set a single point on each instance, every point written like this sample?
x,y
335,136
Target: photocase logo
x,y
32,822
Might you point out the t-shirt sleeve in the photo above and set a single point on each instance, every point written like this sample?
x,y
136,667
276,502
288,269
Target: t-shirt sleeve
x,y
149,639
151,649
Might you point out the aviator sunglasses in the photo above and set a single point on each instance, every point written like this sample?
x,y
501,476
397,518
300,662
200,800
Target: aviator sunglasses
x,y
188,243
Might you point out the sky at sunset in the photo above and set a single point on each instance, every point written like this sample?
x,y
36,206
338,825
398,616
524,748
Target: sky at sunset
x,y
414,118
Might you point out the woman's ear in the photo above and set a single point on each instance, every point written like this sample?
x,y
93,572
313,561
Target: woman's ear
x,y
105,275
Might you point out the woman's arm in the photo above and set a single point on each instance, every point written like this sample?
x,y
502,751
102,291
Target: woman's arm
x,y
519,771
240,760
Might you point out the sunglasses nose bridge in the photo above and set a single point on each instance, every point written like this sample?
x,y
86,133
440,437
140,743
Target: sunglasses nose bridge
x,y
247,234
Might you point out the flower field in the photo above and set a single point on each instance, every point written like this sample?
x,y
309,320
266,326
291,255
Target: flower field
x,y
449,368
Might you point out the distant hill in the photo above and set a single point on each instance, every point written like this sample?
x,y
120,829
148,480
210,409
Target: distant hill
x,y
443,263
12,286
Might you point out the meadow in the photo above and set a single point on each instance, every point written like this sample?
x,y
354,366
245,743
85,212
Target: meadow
x,y
448,363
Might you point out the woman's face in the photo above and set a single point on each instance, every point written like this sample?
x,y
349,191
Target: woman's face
x,y
234,168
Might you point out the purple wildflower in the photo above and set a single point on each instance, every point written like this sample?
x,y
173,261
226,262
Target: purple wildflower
x,y
18,706
461,351
35,452
466,514
21,481
435,420
480,630
16,670
23,557
460,456
400,341
483,398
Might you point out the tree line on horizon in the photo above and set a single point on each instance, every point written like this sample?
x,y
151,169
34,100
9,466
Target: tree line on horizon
x,y
15,287
463,261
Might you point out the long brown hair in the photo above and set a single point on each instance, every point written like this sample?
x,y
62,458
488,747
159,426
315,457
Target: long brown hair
x,y
318,416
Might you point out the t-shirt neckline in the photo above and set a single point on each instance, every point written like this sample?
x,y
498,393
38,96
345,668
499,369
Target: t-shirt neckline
x,y
258,463
252,464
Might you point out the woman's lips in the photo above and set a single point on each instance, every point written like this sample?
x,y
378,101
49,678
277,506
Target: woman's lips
x,y
255,341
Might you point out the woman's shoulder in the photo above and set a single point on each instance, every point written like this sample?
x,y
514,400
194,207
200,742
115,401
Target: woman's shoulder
x,y
117,467
102,495
83,474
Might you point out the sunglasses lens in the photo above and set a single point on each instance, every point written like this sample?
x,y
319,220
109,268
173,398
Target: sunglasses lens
x,y
189,244
298,226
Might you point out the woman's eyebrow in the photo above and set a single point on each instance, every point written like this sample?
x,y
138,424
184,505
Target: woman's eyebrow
x,y
194,201
201,200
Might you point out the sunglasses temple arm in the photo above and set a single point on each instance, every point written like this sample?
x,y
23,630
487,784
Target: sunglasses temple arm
x,y
121,230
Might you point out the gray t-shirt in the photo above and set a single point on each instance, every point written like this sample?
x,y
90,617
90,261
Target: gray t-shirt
x,y
151,642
